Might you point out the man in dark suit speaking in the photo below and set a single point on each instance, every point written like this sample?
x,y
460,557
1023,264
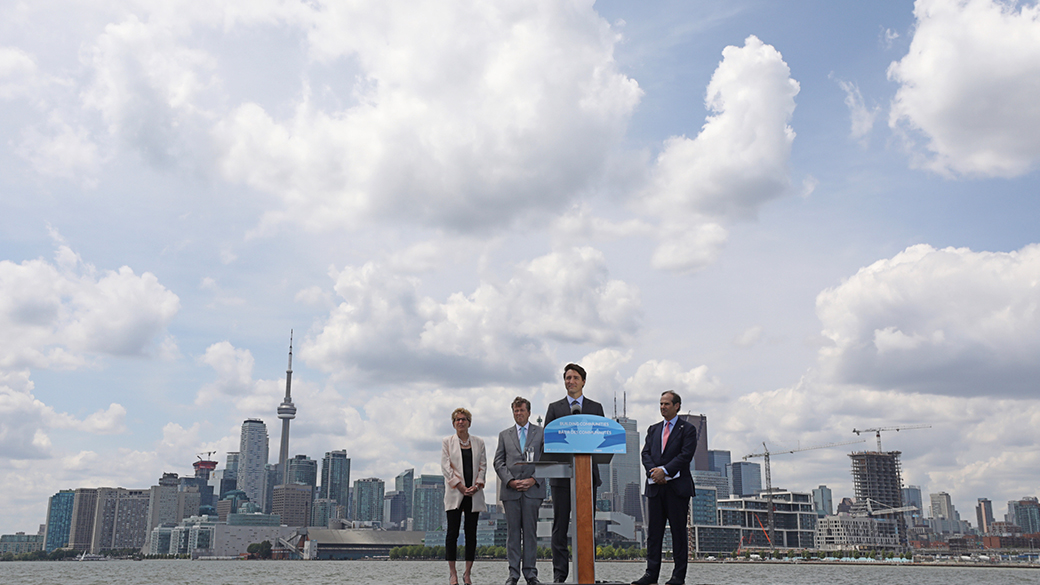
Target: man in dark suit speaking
x,y
670,445
574,403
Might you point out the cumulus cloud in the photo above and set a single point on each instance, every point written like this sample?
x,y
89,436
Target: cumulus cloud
x,y
514,110
58,314
499,332
234,369
967,87
19,74
738,161
951,322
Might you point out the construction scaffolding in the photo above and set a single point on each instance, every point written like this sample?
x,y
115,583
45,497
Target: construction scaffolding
x,y
877,477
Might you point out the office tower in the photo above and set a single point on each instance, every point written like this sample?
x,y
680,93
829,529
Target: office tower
x,y
286,412
368,493
718,460
324,511
393,510
912,497
81,531
121,520
230,504
712,479
273,476
335,477
942,506
162,502
252,459
59,520
625,470
231,468
984,515
302,470
823,501
292,503
700,457
745,478
428,513
404,484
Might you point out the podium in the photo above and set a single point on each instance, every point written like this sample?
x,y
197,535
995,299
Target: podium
x,y
572,445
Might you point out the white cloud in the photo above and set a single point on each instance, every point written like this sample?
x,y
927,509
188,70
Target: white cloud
x,y
466,114
738,161
18,73
951,322
499,332
862,117
234,369
62,150
56,315
967,86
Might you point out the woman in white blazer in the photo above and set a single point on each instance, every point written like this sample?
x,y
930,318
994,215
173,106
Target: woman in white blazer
x,y
464,464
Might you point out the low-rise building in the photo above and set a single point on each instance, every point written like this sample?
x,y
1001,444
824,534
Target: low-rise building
x,y
844,532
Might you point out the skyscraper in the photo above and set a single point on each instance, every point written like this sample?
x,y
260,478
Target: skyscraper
x,y
823,501
121,520
253,454
878,476
335,478
428,513
368,493
942,506
984,514
700,457
286,412
59,520
404,484
745,478
81,531
302,470
625,470
718,460
1027,515
292,503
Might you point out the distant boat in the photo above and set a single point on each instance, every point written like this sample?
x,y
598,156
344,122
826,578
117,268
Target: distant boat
x,y
91,557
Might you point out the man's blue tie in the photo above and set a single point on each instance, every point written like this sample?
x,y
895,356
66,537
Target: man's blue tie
x,y
523,437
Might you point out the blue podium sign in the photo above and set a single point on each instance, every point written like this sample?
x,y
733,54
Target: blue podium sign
x,y
584,433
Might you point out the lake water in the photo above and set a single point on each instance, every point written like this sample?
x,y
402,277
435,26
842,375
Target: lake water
x,y
484,573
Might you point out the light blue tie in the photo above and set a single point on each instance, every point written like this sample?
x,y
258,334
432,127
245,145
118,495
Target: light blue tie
x,y
523,437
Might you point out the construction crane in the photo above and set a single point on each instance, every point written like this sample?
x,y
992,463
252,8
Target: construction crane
x,y
883,510
897,429
208,454
766,453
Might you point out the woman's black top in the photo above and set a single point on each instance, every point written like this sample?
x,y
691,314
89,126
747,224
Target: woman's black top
x,y
467,466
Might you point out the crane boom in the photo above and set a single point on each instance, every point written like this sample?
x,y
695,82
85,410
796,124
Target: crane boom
x,y
877,431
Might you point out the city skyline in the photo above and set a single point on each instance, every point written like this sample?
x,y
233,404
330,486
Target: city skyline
x,y
805,217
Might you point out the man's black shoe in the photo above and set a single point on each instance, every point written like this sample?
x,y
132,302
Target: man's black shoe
x,y
674,581
646,579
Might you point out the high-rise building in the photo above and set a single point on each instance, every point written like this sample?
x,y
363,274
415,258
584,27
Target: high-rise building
x,y
324,511
428,513
302,470
718,460
162,503
292,503
625,470
745,478
713,479
335,478
59,520
912,497
942,506
404,484
877,476
393,510
984,515
231,469
1027,515
368,493
121,520
286,412
700,457
84,506
253,455
704,506
823,501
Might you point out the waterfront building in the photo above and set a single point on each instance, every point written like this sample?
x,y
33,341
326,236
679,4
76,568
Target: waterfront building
x,y
404,484
368,493
253,458
21,543
59,520
335,478
745,478
1027,515
823,501
121,519
162,504
794,518
428,514
292,503
324,511
704,506
843,532
81,530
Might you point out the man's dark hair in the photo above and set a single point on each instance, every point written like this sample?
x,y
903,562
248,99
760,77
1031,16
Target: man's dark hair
x,y
676,399
518,401
576,368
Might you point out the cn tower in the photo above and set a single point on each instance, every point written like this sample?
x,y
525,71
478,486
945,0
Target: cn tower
x,y
286,412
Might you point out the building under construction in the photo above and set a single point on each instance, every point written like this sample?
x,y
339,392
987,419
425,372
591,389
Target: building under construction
x,y
878,481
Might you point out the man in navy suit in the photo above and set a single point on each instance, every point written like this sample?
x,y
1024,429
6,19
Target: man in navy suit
x,y
667,454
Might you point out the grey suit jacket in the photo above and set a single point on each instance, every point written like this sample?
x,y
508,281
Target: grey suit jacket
x,y
508,453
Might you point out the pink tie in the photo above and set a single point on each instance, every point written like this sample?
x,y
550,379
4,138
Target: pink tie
x,y
664,435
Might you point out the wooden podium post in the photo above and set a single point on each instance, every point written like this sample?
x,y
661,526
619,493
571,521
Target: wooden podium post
x,y
584,516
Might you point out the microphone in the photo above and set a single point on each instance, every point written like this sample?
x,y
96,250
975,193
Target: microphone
x,y
576,408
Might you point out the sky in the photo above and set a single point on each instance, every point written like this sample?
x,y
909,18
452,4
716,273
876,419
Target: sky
x,y
804,217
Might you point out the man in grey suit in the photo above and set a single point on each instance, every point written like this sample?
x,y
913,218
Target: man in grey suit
x,y
520,492
574,403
